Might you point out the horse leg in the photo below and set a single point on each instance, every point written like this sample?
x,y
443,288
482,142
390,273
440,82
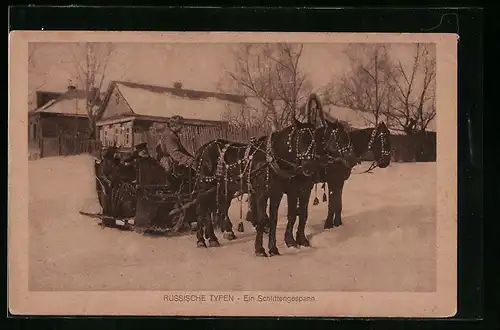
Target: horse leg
x,y
259,212
209,231
274,203
227,226
252,210
332,188
304,213
338,205
291,218
200,224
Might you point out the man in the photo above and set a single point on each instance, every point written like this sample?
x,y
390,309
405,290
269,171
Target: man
x,y
141,151
164,159
172,143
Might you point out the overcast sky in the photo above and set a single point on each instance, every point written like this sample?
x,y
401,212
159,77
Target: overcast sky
x,y
198,66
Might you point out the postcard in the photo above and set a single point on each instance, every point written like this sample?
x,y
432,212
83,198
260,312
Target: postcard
x,y
232,174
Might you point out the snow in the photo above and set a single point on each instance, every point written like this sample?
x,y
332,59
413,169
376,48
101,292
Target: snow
x,y
387,242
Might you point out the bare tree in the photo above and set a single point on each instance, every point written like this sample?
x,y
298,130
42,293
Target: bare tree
x,y
270,74
414,91
244,116
365,87
402,94
90,61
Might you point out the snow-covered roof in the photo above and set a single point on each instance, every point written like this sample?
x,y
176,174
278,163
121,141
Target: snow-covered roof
x,y
156,101
64,106
359,119
71,103
356,119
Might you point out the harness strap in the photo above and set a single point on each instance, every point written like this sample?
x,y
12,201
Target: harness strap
x,y
272,161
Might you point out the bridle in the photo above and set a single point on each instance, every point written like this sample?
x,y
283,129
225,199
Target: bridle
x,y
377,134
334,135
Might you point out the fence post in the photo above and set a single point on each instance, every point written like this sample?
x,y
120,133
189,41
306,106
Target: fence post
x,y
41,147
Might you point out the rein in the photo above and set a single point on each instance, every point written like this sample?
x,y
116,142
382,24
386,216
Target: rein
x,y
375,134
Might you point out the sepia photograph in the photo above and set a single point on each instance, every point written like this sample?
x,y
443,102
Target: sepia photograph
x,y
233,174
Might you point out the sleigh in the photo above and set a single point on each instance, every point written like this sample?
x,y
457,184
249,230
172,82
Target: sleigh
x,y
144,186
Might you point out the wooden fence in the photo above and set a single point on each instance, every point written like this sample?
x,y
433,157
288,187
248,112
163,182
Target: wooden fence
x,y
63,146
193,137
419,147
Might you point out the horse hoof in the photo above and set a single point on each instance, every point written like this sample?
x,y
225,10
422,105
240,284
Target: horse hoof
x,y
213,244
229,236
302,241
260,253
290,242
337,224
274,252
328,225
201,245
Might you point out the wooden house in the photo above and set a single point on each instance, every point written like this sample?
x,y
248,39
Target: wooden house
x,y
130,109
57,116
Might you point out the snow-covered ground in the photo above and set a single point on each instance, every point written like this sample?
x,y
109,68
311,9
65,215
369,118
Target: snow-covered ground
x,y
387,242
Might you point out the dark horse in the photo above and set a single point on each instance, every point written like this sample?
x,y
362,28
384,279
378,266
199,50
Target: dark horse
x,y
338,148
259,168
335,146
376,140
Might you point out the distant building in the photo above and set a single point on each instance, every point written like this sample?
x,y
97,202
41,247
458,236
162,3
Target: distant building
x,y
130,109
57,115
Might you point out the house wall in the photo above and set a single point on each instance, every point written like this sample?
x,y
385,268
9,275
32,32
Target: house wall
x,y
117,134
34,128
34,136
53,125
116,105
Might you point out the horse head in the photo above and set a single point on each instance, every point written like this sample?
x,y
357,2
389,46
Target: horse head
x,y
336,143
380,145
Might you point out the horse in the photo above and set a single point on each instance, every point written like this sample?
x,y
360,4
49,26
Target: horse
x,y
374,139
259,168
338,148
335,145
